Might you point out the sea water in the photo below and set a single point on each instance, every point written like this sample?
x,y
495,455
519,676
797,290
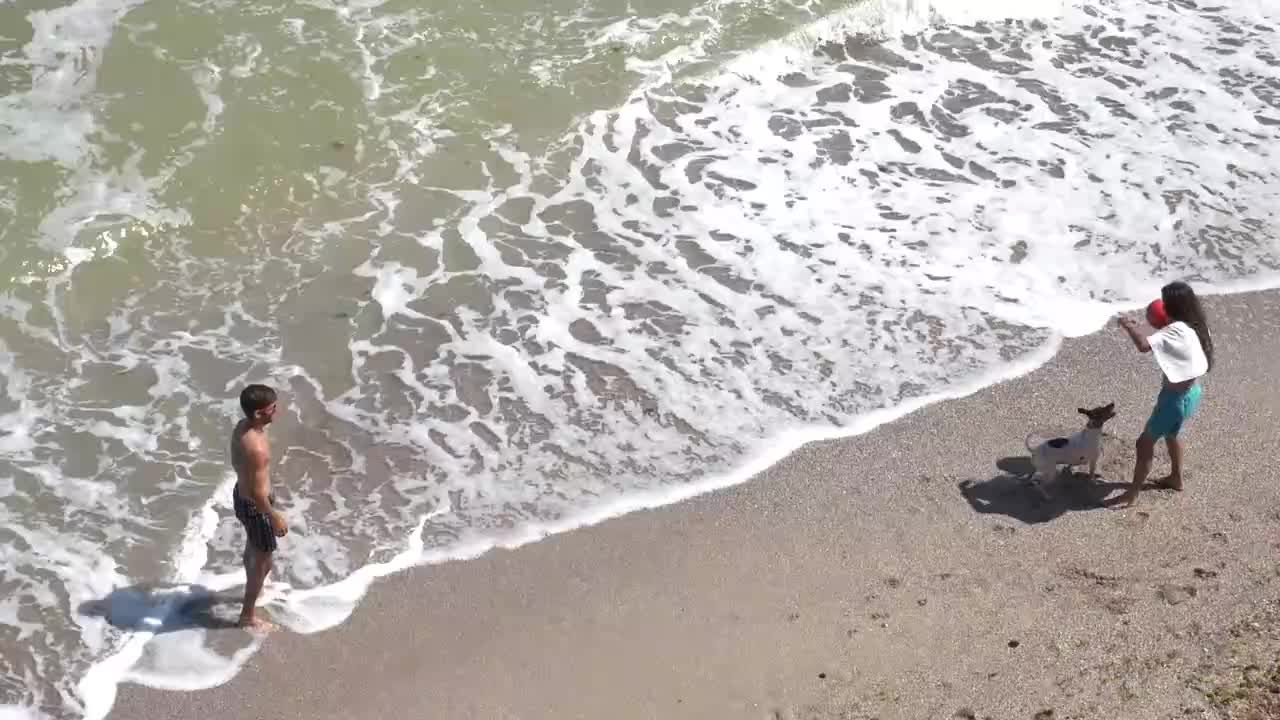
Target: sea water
x,y
520,267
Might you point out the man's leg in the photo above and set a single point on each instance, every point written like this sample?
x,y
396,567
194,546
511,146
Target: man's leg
x,y
1174,481
257,566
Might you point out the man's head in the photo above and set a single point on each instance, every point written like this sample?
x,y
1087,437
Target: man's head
x,y
258,403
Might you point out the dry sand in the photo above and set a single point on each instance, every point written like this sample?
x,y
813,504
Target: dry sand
x,y
856,580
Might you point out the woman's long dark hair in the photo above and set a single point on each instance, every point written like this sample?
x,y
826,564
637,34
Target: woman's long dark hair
x,y
1182,305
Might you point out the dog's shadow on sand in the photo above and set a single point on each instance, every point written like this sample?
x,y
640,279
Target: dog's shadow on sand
x,y
160,609
1012,493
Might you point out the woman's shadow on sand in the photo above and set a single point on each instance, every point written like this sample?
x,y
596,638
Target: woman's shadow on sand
x,y
1011,493
160,609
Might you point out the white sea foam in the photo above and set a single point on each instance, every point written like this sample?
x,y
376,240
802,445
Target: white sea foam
x,y
18,712
48,120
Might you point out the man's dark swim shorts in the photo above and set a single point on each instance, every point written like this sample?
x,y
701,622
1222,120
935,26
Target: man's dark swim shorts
x,y
256,524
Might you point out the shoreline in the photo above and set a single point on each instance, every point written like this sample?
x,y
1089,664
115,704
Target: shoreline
x,y
800,497
351,590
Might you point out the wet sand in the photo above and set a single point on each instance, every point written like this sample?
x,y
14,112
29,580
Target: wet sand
x,y
905,573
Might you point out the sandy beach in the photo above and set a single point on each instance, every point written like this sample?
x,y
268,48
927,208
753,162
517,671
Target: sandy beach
x,y
905,573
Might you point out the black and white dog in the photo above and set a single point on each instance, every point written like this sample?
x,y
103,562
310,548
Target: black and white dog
x,y
1084,447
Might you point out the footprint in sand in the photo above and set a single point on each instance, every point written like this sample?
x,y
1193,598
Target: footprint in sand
x,y
1135,519
1120,605
1091,577
1176,594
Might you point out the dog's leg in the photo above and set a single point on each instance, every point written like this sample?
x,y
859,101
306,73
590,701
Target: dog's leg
x,y
1042,475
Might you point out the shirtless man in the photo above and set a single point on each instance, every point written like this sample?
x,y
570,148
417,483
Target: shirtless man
x,y
252,498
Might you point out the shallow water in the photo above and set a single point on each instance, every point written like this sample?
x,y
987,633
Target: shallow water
x,y
515,270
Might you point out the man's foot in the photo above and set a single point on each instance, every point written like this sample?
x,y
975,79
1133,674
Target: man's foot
x,y
1172,482
256,624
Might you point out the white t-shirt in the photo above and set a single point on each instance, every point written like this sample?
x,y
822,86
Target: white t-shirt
x,y
1178,352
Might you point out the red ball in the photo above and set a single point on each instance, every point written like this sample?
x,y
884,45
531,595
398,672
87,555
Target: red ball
x,y
1156,316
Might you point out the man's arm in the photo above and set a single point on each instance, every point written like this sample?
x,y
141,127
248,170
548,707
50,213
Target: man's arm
x,y
259,478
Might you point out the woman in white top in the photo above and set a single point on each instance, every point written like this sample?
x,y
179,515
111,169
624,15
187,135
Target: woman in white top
x,y
1184,351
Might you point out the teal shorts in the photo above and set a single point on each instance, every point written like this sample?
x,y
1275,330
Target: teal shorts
x,y
1171,410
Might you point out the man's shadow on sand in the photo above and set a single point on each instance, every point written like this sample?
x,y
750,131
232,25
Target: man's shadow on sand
x,y
159,609
1012,493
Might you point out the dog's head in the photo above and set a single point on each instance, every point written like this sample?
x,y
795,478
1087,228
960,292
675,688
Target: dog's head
x,y
1099,415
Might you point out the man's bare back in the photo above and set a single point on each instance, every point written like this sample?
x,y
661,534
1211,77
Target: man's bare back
x,y
252,498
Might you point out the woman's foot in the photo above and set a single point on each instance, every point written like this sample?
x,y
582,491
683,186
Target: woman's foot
x,y
1171,482
1128,499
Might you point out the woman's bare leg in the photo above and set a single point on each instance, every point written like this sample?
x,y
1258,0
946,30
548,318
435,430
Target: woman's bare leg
x,y
1174,481
1145,447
